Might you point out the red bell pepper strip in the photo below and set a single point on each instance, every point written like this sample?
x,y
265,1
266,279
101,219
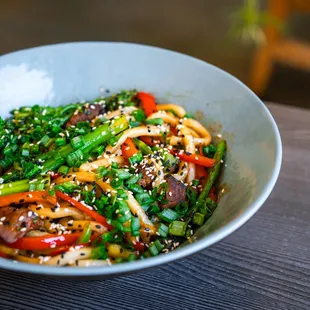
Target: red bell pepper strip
x,y
44,242
212,194
194,158
27,197
96,216
66,248
148,103
129,148
201,174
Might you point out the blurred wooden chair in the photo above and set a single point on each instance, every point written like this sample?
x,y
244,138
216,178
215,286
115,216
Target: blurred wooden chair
x,y
278,48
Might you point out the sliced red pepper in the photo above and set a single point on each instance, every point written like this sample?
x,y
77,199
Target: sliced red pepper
x,y
139,246
148,103
27,197
44,242
129,148
194,158
212,194
96,216
201,174
66,248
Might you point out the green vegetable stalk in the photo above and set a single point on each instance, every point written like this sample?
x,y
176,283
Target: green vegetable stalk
x,y
201,204
214,173
24,186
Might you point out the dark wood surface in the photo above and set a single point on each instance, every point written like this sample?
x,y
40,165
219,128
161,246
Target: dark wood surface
x,y
264,265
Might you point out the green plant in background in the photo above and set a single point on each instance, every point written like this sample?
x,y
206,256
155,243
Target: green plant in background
x,y
249,21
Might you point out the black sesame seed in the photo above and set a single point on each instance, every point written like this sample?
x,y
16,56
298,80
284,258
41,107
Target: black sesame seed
x,y
22,200
98,226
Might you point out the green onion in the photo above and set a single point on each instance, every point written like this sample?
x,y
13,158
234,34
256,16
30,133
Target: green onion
x,y
195,182
36,186
139,115
198,219
122,228
144,198
135,226
168,215
155,121
25,150
97,151
60,141
85,236
181,208
99,253
56,129
153,209
136,188
76,158
137,158
117,183
133,179
115,165
121,193
46,141
63,169
67,187
177,228
144,148
211,204
153,250
35,149
77,142
158,245
101,172
209,150
163,230
131,257
122,174
10,149
124,211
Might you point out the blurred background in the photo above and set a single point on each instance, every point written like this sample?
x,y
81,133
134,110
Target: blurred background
x,y
263,43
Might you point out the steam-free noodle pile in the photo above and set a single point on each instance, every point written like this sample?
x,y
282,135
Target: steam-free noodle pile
x,y
112,180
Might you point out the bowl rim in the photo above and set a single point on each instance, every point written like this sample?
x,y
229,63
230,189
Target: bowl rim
x,y
190,249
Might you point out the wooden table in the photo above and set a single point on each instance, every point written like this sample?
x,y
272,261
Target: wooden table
x,y
264,265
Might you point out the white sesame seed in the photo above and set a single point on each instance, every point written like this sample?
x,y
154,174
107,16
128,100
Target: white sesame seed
x,y
21,218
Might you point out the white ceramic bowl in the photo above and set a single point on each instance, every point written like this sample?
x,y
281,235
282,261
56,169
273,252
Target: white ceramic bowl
x,y
64,73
